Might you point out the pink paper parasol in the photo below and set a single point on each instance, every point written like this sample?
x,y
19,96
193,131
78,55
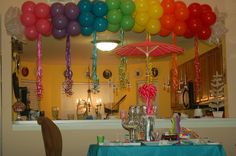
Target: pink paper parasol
x,y
148,48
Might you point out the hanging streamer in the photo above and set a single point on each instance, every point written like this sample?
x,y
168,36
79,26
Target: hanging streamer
x,y
197,68
175,80
122,73
95,78
122,37
68,75
148,64
39,67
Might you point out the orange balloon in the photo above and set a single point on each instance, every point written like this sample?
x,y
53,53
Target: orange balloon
x,y
181,14
180,28
168,21
164,32
168,6
180,4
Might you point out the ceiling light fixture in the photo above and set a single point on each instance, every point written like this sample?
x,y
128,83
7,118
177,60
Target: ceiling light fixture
x,y
107,45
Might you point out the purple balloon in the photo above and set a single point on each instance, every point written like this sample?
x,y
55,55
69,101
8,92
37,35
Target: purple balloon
x,y
57,9
59,33
60,22
73,28
71,11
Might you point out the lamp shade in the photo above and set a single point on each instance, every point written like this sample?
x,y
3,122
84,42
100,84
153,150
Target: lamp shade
x,y
107,45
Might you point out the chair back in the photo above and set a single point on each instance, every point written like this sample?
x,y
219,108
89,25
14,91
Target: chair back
x,y
51,137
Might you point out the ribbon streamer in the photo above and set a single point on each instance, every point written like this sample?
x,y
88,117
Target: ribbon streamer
x,y
122,73
94,69
68,74
39,85
197,68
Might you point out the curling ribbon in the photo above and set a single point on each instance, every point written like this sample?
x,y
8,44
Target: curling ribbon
x,y
148,92
39,67
175,81
122,72
94,69
122,37
68,81
197,68
148,65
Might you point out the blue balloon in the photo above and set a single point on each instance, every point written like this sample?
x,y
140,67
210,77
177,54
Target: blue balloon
x,y
86,31
85,6
100,24
86,19
100,8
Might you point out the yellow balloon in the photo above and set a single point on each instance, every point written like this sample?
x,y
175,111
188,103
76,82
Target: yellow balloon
x,y
142,18
141,5
155,11
138,28
153,2
153,26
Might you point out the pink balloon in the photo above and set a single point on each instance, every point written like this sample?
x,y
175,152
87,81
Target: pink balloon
x,y
28,19
28,7
43,26
42,10
31,33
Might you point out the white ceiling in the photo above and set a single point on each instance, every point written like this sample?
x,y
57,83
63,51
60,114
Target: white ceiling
x,y
53,50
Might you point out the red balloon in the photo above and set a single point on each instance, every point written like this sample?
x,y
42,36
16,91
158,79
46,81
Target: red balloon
x,y
28,7
181,14
195,10
205,8
168,21
43,26
204,33
188,33
180,4
31,33
168,6
180,28
42,10
164,32
208,19
194,24
28,19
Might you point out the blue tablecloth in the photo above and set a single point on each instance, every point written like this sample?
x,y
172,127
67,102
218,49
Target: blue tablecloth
x,y
175,150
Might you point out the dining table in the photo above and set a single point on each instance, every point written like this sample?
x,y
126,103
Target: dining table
x,y
153,150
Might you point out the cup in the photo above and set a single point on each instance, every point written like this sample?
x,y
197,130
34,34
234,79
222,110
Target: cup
x,y
55,112
100,139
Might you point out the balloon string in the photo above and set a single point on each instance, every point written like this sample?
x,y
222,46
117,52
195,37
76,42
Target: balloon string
x,y
122,37
39,67
197,68
95,78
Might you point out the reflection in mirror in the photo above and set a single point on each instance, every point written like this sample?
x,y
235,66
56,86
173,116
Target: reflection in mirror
x,y
54,65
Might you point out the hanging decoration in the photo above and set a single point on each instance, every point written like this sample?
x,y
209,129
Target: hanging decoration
x,y
122,73
197,68
12,23
68,73
39,85
147,14
94,67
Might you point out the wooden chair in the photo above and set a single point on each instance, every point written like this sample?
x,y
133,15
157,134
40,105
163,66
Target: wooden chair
x,y
51,137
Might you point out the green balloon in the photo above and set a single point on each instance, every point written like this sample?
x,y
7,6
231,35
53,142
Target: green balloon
x,y
127,23
113,27
114,16
127,7
113,4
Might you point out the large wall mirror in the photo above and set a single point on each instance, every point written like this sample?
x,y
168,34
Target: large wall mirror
x,y
24,60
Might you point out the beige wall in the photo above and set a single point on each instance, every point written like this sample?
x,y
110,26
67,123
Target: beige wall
x,y
76,142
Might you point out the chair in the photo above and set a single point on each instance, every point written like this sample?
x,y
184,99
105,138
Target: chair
x,y
51,137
